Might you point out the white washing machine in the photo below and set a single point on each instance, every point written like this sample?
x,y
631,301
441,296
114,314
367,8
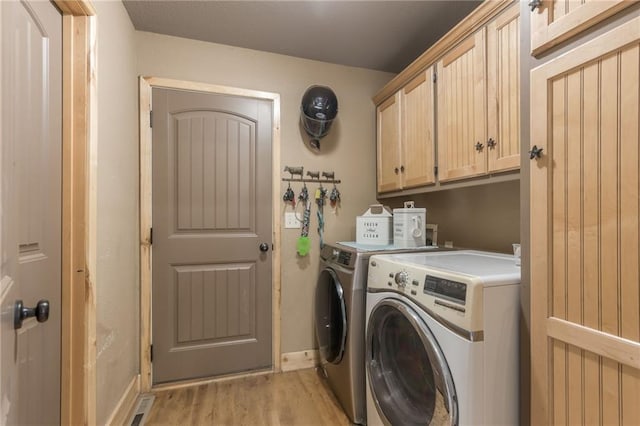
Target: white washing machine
x,y
442,339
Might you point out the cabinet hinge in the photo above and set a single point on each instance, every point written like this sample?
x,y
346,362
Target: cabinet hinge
x,y
151,352
435,170
435,76
150,235
151,118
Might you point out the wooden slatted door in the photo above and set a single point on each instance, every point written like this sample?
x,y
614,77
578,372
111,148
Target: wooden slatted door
x,y
585,234
212,210
462,110
503,91
418,136
388,122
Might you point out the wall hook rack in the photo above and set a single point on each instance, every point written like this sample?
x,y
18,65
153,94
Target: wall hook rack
x,y
297,175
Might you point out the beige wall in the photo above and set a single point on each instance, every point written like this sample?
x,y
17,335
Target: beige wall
x,y
117,276
485,217
349,150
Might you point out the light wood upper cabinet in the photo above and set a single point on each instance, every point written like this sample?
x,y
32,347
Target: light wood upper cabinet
x,y
406,136
503,91
418,121
555,21
585,228
388,144
479,101
462,110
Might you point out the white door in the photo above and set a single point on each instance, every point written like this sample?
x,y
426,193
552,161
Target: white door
x,y
30,211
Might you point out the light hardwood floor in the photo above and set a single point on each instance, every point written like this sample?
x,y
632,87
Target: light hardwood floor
x,y
299,397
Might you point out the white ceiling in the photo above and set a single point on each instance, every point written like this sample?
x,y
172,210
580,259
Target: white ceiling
x,y
379,35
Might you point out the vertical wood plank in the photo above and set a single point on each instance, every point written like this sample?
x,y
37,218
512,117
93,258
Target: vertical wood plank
x,y
209,314
222,284
246,284
183,151
197,305
590,236
573,234
233,301
629,229
235,169
513,97
456,131
145,237
244,178
479,99
183,304
197,172
463,103
558,286
221,173
609,202
209,157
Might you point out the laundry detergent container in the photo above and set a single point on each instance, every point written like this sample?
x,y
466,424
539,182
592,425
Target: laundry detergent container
x,y
374,227
409,226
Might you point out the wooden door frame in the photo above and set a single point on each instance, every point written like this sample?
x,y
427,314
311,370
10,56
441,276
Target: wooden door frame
x,y
79,140
146,84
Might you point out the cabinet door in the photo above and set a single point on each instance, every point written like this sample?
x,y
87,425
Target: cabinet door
x,y
557,20
388,144
462,110
585,228
503,91
418,131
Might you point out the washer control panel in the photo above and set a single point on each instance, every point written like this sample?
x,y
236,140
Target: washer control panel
x,y
453,298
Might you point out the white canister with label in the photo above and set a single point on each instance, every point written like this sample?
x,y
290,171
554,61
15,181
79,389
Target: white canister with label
x,y
409,226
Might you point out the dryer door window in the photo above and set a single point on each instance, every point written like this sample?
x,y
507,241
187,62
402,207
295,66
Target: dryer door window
x,y
408,376
331,317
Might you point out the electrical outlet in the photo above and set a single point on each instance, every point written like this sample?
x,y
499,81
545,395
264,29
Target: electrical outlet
x,y
291,221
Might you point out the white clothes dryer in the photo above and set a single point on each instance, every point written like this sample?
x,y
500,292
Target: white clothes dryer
x,y
442,339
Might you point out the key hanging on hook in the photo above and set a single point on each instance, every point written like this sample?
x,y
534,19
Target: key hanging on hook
x,y
334,197
289,196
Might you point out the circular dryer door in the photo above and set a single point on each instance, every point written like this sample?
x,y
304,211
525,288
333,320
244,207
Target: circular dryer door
x,y
331,317
408,377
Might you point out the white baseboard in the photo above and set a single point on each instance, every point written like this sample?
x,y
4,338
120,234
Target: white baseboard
x,y
300,360
121,413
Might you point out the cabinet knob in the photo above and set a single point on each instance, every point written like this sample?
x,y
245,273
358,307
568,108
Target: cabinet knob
x,y
479,146
535,152
491,143
396,170
401,169
534,4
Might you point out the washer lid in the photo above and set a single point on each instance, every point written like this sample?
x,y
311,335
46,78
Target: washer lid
x,y
489,268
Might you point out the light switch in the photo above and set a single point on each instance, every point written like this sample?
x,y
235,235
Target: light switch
x,y
291,221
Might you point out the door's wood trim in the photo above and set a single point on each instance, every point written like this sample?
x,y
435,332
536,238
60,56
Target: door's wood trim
x,y
145,235
621,350
300,360
75,7
123,408
146,85
78,389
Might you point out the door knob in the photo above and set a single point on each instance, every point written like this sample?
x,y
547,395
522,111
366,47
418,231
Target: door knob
x,y
534,4
20,313
535,152
264,247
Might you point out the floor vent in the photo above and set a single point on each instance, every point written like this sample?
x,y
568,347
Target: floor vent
x,y
143,406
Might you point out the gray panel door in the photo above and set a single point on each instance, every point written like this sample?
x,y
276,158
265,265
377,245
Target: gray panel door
x,y
30,231
211,302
